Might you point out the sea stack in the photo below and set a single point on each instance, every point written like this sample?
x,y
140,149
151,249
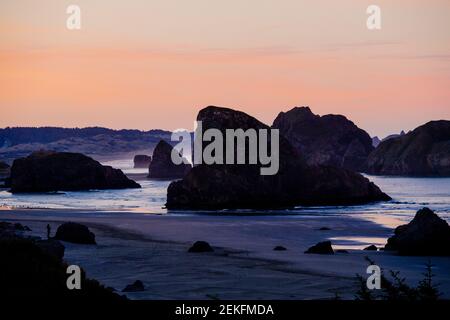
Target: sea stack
x,y
425,151
237,186
47,171
162,166
142,161
331,140
426,235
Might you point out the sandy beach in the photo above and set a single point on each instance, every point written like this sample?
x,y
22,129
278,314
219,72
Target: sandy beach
x,y
153,248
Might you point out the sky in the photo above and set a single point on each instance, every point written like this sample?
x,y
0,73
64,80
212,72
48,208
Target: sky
x,y
146,64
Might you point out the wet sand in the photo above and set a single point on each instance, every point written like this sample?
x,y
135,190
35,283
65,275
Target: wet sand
x,y
153,249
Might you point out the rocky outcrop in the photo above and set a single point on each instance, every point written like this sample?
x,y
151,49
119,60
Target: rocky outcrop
x,y
11,230
424,151
331,140
371,248
52,247
75,233
46,171
426,235
162,166
200,246
236,186
136,286
21,227
142,161
321,248
29,271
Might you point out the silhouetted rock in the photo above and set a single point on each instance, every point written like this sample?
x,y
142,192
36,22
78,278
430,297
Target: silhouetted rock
x,y
425,235
7,230
46,171
134,287
425,151
52,247
142,161
321,248
29,271
162,166
75,233
201,246
371,248
324,229
326,140
342,251
20,227
237,186
279,248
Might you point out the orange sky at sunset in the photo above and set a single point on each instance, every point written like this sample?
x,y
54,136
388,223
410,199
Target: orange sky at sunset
x,y
154,64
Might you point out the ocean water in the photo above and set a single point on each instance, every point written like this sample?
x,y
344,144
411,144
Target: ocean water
x,y
409,195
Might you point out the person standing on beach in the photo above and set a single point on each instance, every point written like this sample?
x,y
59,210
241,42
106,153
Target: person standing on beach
x,y
48,231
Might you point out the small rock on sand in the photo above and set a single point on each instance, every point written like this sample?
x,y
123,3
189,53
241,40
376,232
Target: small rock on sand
x,y
75,233
201,246
321,248
134,287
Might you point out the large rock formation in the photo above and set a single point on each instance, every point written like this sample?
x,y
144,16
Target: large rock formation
x,y
424,151
162,166
46,171
142,161
242,186
327,140
425,235
30,270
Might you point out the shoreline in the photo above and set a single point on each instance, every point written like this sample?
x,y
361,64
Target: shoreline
x,y
153,249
